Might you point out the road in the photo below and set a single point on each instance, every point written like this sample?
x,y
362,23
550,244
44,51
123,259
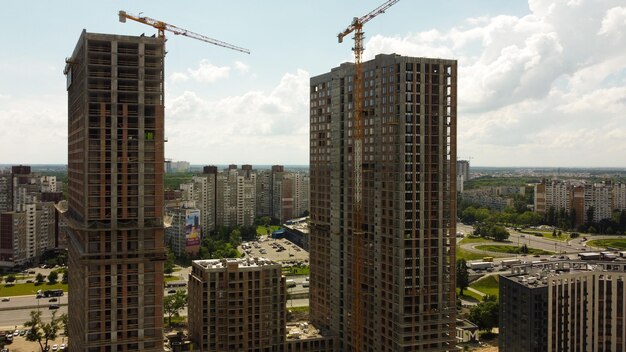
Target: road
x,y
10,318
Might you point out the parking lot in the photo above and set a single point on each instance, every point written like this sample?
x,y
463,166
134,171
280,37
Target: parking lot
x,y
278,250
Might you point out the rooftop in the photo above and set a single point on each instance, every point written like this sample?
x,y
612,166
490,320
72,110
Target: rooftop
x,y
248,262
302,331
537,274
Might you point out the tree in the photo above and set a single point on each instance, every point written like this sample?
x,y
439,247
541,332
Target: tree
x,y
40,278
486,313
499,233
524,249
9,279
235,237
41,332
53,277
462,275
174,303
66,276
168,267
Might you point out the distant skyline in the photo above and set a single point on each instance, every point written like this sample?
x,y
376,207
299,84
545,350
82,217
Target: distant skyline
x,y
541,83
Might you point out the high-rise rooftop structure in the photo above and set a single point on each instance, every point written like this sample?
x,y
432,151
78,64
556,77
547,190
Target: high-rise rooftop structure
x,y
395,292
115,198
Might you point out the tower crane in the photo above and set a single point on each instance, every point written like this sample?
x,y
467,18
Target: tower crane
x,y
357,232
162,27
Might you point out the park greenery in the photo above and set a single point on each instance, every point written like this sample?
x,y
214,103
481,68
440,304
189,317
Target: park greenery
x,y
491,230
488,285
524,249
617,243
174,303
486,313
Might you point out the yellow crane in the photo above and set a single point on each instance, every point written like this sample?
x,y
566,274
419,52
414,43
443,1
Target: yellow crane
x,y
357,232
162,27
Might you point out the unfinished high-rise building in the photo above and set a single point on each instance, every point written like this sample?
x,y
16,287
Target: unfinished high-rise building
x,y
392,289
115,198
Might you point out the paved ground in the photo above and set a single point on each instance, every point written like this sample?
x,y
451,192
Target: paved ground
x,y
291,253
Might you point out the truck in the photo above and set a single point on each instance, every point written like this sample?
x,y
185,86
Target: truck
x,y
511,262
479,265
589,256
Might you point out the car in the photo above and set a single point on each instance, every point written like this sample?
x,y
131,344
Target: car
x,y
553,256
55,347
16,333
6,299
39,295
306,278
22,332
536,256
171,291
53,306
52,300
31,271
29,281
62,347
305,284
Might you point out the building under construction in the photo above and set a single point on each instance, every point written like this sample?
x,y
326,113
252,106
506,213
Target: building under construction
x,y
115,212
386,284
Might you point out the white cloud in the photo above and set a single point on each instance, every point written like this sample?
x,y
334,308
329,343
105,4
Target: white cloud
x,y
208,72
241,67
614,21
38,130
543,89
262,126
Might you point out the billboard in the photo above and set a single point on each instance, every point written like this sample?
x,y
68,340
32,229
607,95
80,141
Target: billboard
x,y
192,230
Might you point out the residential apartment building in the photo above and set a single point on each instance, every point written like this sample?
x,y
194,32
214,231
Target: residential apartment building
x,y
563,306
28,222
205,190
115,196
281,194
236,197
183,235
387,285
579,197
237,305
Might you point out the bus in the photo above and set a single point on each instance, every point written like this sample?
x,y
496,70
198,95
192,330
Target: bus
x,y
53,293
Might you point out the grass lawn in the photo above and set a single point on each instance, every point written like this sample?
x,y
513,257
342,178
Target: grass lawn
x,y
509,249
488,285
169,278
468,295
619,243
294,270
176,320
473,240
28,289
262,230
299,309
467,255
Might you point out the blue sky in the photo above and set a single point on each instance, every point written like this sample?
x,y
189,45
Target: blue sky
x,y
541,82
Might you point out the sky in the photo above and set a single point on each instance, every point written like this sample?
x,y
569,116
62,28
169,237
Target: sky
x,y
541,83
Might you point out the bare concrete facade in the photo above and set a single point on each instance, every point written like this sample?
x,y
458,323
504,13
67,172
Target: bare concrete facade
x,y
404,297
115,169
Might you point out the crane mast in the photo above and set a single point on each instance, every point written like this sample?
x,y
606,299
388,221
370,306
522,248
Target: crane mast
x,y
162,27
357,208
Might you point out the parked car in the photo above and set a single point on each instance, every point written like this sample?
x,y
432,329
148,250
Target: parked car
x,y
52,300
6,299
53,306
